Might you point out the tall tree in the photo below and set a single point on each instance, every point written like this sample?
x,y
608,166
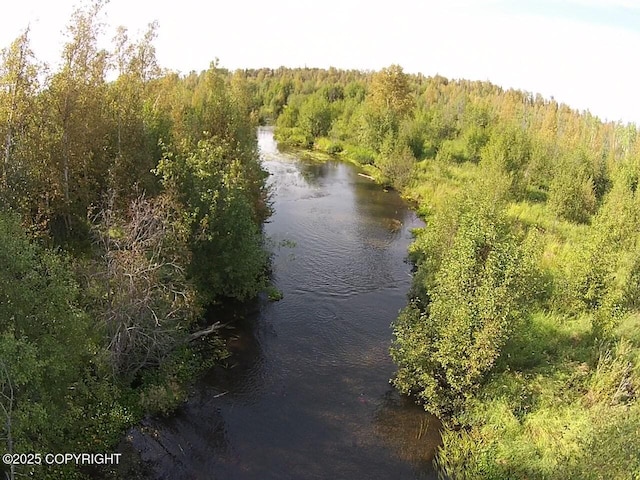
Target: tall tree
x,y
18,87
390,90
80,157
133,138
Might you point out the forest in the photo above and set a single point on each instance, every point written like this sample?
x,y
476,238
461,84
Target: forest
x,y
132,200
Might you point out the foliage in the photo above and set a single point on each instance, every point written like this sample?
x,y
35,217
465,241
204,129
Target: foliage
x,y
572,191
508,151
228,259
45,342
390,91
398,166
273,294
97,307
314,117
564,418
522,320
607,269
475,292
330,146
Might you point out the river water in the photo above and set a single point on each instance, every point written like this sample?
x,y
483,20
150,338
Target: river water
x,y
307,394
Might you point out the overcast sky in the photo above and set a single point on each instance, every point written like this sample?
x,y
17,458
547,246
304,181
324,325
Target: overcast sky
x,y
582,52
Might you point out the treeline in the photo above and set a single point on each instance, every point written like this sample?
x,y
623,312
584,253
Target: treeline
x,y
522,328
127,207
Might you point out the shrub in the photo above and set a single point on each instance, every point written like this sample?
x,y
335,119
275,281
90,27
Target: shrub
x,y
478,287
362,155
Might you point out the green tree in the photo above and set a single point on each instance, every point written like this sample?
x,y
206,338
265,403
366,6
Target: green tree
x,y
604,273
134,144
572,191
45,343
228,260
398,166
79,156
390,91
314,117
387,103
509,150
449,338
18,78
22,178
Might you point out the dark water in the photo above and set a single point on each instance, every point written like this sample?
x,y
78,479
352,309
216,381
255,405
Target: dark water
x,y
308,395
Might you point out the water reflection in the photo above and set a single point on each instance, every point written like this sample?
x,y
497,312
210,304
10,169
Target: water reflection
x,y
317,174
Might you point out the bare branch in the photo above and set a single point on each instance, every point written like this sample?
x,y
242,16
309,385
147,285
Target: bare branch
x,y
150,303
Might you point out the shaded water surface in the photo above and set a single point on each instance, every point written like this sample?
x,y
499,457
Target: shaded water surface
x,y
308,396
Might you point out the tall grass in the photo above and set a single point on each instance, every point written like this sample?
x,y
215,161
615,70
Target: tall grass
x,y
555,410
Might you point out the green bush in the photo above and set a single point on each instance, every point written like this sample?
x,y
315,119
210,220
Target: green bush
x,y
572,193
292,137
557,422
214,183
361,155
451,151
397,166
314,117
477,289
327,145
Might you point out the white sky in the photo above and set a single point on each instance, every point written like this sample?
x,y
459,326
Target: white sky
x,y
581,52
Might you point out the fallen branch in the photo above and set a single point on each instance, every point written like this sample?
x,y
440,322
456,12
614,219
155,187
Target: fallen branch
x,y
207,331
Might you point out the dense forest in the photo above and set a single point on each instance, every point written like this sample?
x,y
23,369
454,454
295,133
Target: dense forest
x,y
132,199
522,328
129,206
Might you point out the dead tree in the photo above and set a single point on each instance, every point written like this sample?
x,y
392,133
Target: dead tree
x,y
147,303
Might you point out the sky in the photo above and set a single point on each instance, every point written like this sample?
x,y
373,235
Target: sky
x,y
581,52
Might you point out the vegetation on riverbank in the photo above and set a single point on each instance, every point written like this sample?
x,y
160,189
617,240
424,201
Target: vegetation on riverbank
x,y
127,207
521,330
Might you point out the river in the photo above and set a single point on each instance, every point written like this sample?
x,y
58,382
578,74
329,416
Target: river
x,y
308,395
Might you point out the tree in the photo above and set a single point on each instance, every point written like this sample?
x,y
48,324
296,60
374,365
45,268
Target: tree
x,y
18,367
18,88
46,342
604,273
572,191
314,117
389,91
398,166
79,156
215,188
509,150
387,104
135,143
